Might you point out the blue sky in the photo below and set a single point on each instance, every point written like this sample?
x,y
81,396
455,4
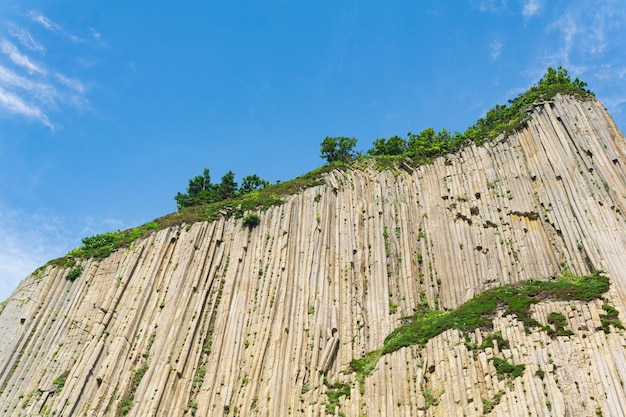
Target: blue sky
x,y
107,109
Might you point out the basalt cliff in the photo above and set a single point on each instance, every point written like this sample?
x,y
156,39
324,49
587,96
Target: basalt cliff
x,y
215,318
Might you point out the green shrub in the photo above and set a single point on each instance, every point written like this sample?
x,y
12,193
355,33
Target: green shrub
x,y
501,119
74,273
335,391
497,336
489,405
611,318
251,220
505,369
559,322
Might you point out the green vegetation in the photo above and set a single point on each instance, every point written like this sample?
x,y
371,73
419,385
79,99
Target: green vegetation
x,y
102,245
429,398
502,119
60,381
206,201
74,273
335,391
488,342
251,220
339,149
198,379
127,402
488,405
611,318
201,191
505,370
478,312
559,322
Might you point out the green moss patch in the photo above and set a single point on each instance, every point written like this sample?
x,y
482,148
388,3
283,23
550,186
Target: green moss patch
x,y
513,299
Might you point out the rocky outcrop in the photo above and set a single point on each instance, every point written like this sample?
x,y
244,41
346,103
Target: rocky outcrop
x,y
217,318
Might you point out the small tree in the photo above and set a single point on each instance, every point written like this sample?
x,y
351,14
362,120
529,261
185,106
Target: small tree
x,y
199,191
252,183
339,149
395,145
228,186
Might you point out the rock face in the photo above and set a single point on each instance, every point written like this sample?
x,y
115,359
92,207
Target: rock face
x,y
219,319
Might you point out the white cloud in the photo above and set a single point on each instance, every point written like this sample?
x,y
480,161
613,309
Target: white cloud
x,y
96,35
25,38
13,104
531,8
30,239
495,48
41,92
72,83
27,241
491,5
588,29
38,17
33,99
31,89
20,59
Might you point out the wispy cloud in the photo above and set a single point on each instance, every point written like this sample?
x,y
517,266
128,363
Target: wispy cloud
x,y
30,239
13,104
531,8
20,59
96,35
31,87
490,5
25,38
26,245
587,29
38,17
495,48
72,83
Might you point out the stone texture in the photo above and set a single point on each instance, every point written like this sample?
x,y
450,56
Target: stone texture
x,y
229,320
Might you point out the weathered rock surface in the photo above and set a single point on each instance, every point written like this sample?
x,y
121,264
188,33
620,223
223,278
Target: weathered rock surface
x,y
221,319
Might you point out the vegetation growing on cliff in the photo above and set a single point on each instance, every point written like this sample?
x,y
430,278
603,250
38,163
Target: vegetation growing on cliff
x,y
205,201
478,312
102,245
202,191
502,119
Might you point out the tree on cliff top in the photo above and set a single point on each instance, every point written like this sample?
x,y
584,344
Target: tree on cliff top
x,y
339,149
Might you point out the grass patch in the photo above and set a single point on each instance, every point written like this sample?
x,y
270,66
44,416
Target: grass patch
x,y
497,337
335,391
478,312
611,318
429,398
127,402
559,322
60,381
505,370
74,273
489,405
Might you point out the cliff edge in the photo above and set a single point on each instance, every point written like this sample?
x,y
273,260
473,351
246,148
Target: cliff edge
x,y
222,319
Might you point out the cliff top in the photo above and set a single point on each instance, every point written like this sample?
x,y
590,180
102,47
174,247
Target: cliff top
x,y
418,149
